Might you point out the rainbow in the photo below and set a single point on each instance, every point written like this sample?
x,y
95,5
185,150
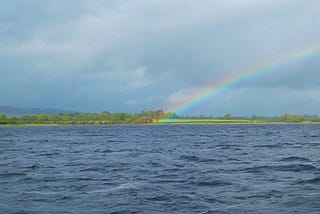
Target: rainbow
x,y
244,76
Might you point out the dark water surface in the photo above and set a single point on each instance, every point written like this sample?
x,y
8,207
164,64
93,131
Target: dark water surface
x,y
160,169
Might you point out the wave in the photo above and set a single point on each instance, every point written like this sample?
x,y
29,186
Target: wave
x,y
12,174
107,151
34,166
285,168
295,158
266,195
212,183
90,169
269,146
119,187
310,181
49,154
154,164
39,193
198,159
190,158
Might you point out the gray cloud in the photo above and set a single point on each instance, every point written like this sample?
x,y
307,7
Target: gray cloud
x,y
102,54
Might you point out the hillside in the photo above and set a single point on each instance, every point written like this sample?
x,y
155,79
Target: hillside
x,y
14,111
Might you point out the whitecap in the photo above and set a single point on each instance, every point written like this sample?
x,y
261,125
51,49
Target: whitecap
x,y
119,187
38,192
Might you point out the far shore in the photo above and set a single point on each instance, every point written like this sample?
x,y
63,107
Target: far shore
x,y
170,123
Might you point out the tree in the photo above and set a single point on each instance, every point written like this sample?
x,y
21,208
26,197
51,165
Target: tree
x,y
291,118
2,118
42,119
12,120
227,116
28,119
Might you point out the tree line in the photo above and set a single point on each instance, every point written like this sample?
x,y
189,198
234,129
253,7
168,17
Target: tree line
x,y
144,117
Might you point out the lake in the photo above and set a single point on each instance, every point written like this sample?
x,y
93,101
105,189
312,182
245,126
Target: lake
x,y
160,169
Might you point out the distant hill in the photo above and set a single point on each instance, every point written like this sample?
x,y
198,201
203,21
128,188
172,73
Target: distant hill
x,y
10,111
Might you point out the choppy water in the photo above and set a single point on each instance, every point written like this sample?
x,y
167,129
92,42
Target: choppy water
x,y
160,169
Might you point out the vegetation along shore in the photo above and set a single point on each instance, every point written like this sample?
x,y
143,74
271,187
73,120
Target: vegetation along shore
x,y
147,117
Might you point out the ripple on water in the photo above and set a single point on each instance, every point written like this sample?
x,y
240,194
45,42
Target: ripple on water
x,y
194,158
212,183
285,168
310,181
160,169
120,187
295,158
12,174
267,195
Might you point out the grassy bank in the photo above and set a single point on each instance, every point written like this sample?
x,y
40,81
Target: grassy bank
x,y
201,121
222,121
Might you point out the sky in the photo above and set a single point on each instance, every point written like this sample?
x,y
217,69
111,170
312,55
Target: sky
x,y
129,56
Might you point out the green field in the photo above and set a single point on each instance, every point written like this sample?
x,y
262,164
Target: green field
x,y
203,121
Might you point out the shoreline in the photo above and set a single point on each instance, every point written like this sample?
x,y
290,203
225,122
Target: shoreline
x,y
170,123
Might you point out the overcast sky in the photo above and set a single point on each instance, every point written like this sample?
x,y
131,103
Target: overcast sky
x,y
148,54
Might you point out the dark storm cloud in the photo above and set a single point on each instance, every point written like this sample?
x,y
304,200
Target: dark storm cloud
x,y
123,54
